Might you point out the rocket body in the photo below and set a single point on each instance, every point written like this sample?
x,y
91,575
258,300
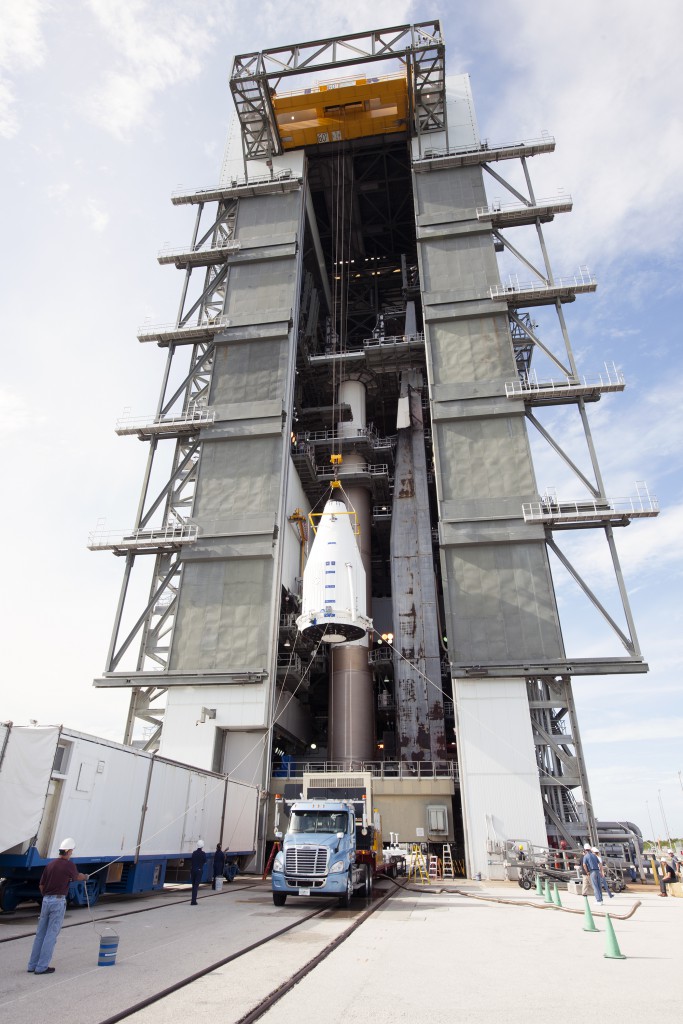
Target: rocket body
x,y
333,606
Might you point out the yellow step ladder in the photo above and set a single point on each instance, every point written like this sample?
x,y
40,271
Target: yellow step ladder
x,y
447,861
418,867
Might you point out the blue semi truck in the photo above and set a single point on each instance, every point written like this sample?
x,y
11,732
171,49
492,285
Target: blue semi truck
x,y
327,851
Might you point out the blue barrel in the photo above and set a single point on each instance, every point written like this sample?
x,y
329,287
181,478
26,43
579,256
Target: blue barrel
x,y
109,943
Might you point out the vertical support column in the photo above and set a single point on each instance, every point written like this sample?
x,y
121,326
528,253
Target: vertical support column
x,y
352,725
417,668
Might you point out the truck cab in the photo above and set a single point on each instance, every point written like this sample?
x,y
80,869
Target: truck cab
x,y
318,855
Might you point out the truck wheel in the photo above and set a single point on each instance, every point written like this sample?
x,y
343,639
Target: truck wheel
x,y
367,884
345,900
279,899
9,897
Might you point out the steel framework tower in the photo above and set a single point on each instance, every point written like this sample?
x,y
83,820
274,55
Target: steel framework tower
x,y
350,302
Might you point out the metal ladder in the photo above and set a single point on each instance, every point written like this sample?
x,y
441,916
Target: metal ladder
x,y
447,862
434,870
418,868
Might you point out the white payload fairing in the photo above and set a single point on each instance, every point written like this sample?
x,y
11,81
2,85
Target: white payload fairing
x,y
333,604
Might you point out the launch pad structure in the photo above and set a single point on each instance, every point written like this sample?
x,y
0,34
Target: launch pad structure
x,y
343,319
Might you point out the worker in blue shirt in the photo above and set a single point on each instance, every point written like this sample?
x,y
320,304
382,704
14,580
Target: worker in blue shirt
x,y
591,867
197,870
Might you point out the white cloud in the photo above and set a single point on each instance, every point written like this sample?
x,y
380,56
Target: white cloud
x,y
161,46
15,412
641,730
97,217
605,86
158,46
58,191
22,48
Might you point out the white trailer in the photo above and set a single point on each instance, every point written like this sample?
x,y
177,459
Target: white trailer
x,y
136,817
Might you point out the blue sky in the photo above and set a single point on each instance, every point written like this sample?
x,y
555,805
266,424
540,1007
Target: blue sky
x,y
106,106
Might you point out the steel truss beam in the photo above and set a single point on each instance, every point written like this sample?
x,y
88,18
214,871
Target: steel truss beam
x,y
560,760
420,48
153,624
525,340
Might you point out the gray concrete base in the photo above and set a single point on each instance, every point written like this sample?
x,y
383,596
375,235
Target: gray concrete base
x,y
424,957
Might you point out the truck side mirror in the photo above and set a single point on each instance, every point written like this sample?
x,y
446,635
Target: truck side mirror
x,y
278,834
340,835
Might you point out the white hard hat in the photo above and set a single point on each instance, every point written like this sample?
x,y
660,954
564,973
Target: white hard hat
x,y
595,849
200,843
68,844
586,846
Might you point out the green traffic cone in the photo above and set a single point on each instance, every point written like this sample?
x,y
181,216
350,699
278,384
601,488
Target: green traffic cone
x,y
548,897
539,886
612,951
556,896
588,922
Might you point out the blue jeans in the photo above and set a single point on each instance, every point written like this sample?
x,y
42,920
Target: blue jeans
x,y
604,886
597,886
49,925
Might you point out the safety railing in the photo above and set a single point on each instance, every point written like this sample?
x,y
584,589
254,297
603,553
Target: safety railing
x,y
171,252
206,325
193,417
557,203
289,664
542,142
392,340
551,510
262,179
382,654
378,769
340,83
528,384
381,512
329,472
162,536
582,281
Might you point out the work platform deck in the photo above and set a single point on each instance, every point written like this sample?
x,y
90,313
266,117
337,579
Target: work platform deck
x,y
424,956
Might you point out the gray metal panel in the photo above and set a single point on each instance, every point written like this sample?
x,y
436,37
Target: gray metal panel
x,y
484,458
228,595
477,350
498,589
238,477
254,287
220,618
269,216
248,373
442,193
502,603
463,267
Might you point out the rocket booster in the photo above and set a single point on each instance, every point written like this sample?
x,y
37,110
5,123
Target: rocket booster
x,y
333,603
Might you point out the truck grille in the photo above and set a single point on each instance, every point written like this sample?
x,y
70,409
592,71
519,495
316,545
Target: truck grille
x,y
306,860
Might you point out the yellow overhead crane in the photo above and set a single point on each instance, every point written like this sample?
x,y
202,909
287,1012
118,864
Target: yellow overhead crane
x,y
341,110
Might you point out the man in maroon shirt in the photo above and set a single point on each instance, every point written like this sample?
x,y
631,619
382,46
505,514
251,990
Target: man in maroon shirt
x,y
54,886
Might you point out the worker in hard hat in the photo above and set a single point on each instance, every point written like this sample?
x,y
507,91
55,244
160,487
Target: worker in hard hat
x,y
585,877
667,873
197,870
54,888
603,878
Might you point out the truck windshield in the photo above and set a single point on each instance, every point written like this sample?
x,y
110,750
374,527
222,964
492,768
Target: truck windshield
x,y
318,821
